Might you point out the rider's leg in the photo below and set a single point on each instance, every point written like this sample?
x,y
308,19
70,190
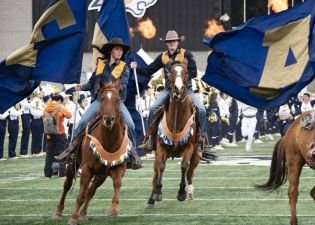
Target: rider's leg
x,y
160,101
85,119
134,159
201,112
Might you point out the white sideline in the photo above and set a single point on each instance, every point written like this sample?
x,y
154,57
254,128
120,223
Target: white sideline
x,y
166,199
164,214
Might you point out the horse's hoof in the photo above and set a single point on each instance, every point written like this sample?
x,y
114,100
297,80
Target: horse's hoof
x,y
149,206
112,214
157,197
83,218
181,197
56,215
189,196
73,222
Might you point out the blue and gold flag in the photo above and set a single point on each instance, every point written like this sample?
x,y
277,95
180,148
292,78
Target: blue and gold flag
x,y
53,54
111,23
267,60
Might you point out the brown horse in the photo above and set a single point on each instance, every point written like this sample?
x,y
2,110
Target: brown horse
x,y
176,137
104,151
290,154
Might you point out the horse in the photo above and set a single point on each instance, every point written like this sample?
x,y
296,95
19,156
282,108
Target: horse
x,y
295,149
177,136
104,151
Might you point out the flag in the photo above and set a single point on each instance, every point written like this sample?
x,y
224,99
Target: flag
x,y
267,60
111,23
130,102
54,52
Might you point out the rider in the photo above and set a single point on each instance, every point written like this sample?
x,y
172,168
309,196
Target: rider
x,y
110,67
165,60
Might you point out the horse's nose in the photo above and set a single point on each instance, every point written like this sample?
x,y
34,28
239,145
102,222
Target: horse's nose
x,y
313,145
112,119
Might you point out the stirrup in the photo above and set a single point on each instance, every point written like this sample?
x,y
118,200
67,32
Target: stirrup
x,y
134,162
147,144
65,156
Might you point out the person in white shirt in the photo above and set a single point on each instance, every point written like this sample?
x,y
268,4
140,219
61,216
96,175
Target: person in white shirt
x,y
248,124
37,126
3,128
307,104
224,106
26,118
13,128
285,118
70,105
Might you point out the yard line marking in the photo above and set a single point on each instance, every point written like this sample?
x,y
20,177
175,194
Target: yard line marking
x,y
129,187
167,199
165,214
17,179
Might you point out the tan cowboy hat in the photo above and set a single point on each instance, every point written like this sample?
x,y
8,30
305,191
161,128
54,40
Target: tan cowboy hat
x,y
114,42
172,35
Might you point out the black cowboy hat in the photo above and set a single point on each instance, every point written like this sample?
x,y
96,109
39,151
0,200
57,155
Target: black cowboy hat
x,y
114,42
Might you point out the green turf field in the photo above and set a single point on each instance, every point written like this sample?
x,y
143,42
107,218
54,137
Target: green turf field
x,y
223,195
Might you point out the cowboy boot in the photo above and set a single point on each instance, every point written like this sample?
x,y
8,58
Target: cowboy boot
x,y
65,155
147,144
134,162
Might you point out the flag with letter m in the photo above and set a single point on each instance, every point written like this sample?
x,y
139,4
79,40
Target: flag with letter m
x,y
54,52
267,60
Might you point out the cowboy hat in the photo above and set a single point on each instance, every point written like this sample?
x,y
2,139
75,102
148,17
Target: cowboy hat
x,y
114,42
172,35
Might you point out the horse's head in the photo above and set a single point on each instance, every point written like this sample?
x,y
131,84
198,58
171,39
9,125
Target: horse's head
x,y
178,78
109,108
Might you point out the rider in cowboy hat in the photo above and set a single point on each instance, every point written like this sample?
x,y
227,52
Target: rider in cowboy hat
x,y
110,67
165,60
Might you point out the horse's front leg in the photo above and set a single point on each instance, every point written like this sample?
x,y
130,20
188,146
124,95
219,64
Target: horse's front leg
x,y
86,176
96,182
195,159
117,175
70,174
159,167
186,156
294,172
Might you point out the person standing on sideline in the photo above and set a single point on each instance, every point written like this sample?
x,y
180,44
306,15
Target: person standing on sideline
x,y
165,60
13,128
26,119
56,142
37,126
249,121
3,128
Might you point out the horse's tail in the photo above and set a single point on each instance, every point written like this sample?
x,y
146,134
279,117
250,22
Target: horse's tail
x,y
278,170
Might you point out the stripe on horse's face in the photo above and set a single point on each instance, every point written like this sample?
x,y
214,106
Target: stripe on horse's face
x,y
179,81
109,95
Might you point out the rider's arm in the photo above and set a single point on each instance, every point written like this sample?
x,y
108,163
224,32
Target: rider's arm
x,y
90,84
123,83
152,67
192,67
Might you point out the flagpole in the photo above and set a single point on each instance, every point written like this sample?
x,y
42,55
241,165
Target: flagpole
x,y
244,12
76,94
138,94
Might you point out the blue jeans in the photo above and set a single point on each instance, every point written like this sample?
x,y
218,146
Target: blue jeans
x,y
162,100
93,108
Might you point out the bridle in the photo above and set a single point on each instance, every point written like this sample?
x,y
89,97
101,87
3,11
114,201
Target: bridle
x,y
179,95
108,121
